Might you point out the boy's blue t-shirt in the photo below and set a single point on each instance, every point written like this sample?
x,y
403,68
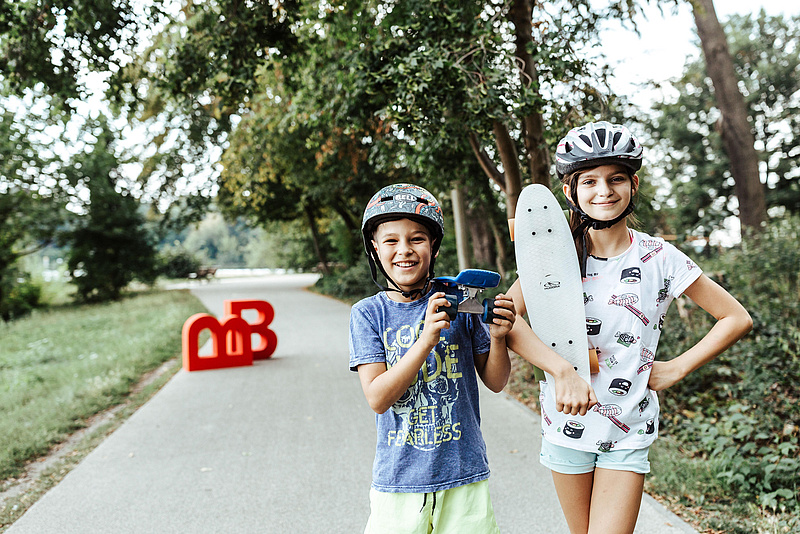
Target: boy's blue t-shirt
x,y
430,439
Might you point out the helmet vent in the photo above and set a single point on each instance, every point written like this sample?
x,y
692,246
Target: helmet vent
x,y
601,136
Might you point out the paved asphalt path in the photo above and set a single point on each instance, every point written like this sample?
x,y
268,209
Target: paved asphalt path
x,y
284,446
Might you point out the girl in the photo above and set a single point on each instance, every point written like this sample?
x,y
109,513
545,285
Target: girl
x,y
596,438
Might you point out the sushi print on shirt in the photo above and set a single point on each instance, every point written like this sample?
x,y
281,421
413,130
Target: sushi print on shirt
x,y
626,300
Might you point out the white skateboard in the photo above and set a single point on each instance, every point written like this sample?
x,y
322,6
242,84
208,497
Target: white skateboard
x,y
550,277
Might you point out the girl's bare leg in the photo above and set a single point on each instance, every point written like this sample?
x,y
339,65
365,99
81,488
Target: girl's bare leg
x,y
602,502
616,498
575,495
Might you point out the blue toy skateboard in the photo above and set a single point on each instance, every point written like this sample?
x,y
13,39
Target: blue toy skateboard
x,y
471,282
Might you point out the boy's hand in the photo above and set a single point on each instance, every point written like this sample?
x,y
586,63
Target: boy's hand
x,y
504,307
435,321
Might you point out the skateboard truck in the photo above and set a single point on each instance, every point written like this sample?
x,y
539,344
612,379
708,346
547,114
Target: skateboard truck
x,y
471,282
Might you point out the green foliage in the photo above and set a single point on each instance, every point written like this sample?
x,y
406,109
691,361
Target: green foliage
x,y
742,411
20,295
177,262
350,284
52,43
337,100
193,83
766,54
31,206
109,246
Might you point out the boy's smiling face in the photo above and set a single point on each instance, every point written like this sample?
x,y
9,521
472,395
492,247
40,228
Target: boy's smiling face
x,y
404,249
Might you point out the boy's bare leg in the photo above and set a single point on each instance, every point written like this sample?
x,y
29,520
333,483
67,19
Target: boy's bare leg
x,y
616,498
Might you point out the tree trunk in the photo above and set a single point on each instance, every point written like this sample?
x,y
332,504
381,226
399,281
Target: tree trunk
x,y
499,243
482,240
312,223
460,226
511,171
521,15
736,132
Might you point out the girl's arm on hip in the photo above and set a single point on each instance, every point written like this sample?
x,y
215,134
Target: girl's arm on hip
x,y
733,322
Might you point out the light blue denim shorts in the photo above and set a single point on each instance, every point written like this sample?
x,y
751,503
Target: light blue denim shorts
x,y
573,462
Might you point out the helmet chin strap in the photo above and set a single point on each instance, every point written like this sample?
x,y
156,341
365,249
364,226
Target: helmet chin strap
x,y
588,222
373,264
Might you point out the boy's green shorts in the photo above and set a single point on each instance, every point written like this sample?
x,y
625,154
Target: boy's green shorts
x,y
462,510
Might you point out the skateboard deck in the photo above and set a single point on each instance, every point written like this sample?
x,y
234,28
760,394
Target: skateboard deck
x,y
550,277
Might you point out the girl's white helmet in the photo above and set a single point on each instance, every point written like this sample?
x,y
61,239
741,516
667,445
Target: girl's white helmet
x,y
597,143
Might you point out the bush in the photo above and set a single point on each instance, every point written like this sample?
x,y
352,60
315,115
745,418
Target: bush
x,y
742,411
20,296
177,262
350,284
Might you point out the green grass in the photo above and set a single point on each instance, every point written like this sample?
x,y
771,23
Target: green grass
x,y
60,367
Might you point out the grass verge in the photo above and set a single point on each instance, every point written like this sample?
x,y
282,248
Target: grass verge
x,y
58,465
59,368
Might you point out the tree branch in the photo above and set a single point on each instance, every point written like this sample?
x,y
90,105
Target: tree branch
x,y
486,162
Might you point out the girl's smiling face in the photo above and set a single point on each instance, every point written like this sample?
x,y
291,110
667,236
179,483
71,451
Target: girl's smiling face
x,y
404,249
604,192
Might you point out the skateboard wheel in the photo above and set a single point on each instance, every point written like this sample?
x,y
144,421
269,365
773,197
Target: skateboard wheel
x,y
488,315
451,310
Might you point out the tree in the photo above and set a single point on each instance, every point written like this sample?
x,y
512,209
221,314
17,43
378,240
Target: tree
x,y
766,55
481,71
109,245
365,88
48,53
735,130
46,47
31,202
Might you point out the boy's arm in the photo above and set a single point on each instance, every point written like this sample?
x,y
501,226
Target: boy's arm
x,y
494,367
383,387
573,395
733,322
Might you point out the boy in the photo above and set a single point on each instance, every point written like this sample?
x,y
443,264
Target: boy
x,y
418,371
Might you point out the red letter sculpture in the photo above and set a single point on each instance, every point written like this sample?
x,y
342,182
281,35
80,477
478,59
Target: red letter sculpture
x,y
233,332
269,341
231,338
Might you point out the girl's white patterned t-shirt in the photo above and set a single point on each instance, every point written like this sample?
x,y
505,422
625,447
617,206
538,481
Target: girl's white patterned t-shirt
x,y
626,300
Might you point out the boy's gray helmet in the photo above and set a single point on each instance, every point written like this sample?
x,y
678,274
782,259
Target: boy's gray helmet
x,y
401,201
597,143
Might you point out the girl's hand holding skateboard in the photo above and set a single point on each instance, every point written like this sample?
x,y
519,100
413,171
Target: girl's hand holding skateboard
x,y
573,395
